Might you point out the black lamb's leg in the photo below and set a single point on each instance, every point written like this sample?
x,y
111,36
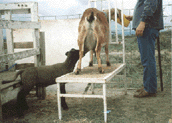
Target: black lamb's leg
x,y
63,101
21,103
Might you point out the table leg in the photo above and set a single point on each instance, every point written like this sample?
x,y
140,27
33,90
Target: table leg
x,y
59,101
125,81
105,103
93,86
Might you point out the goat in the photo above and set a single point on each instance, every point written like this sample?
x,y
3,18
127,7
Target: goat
x,y
93,33
44,75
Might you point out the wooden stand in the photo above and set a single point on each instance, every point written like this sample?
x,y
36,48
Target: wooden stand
x,y
89,75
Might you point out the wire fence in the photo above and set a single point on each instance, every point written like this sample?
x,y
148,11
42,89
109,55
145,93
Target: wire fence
x,y
128,31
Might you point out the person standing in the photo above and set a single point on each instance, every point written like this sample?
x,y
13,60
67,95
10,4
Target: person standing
x,y
147,21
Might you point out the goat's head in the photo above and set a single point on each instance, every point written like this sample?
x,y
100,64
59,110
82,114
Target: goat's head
x,y
73,54
113,13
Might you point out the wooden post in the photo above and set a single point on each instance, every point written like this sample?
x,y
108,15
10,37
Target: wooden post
x,y
9,38
34,17
2,65
41,91
36,44
42,47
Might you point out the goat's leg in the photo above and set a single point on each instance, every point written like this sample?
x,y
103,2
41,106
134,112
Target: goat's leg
x,y
107,55
63,100
81,47
91,58
98,49
81,39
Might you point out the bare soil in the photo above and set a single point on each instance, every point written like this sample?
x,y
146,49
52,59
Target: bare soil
x,y
123,108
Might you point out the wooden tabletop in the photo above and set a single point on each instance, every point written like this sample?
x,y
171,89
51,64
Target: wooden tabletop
x,y
91,74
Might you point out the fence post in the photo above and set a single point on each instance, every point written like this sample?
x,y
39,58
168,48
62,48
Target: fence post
x,y
42,47
9,38
36,42
2,65
41,91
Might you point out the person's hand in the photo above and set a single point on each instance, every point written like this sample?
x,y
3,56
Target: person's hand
x,y
130,18
140,29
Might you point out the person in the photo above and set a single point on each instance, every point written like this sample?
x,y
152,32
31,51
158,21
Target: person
x,y
147,21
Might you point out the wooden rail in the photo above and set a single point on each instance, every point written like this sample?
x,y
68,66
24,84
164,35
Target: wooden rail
x,y
21,45
19,55
19,25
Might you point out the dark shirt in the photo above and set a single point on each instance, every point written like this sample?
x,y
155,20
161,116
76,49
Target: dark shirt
x,y
150,12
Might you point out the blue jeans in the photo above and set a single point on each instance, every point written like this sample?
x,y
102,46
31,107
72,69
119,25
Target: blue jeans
x,y
146,44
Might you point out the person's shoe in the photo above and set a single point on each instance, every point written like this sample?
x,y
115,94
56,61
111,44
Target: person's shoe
x,y
139,90
144,94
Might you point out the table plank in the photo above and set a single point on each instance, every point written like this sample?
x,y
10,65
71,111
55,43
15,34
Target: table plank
x,y
91,74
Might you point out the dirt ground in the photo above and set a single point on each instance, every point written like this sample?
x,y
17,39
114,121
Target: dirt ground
x,y
122,108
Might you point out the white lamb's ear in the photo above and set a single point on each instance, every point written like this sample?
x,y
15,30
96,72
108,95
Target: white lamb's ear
x,y
86,18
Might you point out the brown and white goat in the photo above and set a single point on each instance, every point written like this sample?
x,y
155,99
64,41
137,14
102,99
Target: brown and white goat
x,y
93,33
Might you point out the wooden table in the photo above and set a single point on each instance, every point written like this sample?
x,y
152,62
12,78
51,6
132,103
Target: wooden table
x,y
89,75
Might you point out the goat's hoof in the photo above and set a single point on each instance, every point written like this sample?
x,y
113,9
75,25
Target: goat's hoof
x,y
108,63
100,69
77,71
91,64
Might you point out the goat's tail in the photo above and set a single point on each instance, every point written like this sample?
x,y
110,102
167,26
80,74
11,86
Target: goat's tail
x,y
91,17
15,76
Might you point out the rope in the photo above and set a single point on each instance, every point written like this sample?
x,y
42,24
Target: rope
x,y
8,68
